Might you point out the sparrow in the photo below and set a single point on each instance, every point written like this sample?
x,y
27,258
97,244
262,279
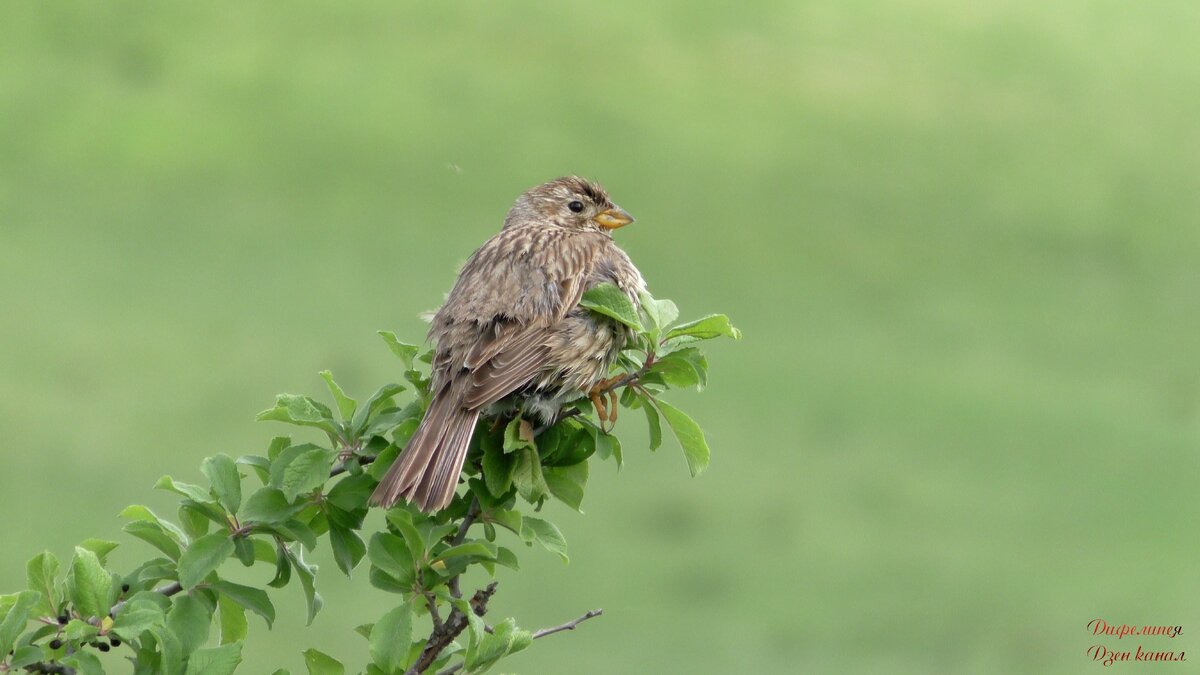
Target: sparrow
x,y
511,334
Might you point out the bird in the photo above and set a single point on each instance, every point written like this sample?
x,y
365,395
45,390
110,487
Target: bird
x,y
511,334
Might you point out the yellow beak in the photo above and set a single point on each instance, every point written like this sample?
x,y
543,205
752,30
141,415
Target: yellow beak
x,y
611,219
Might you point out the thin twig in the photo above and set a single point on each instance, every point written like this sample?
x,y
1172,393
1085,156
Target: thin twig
x,y
168,590
341,466
433,612
570,625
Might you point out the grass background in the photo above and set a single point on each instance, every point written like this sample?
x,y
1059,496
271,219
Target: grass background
x,y
961,239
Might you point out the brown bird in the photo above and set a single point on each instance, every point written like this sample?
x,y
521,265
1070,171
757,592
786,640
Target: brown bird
x,y
512,334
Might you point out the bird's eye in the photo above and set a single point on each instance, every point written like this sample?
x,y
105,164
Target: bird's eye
x,y
575,206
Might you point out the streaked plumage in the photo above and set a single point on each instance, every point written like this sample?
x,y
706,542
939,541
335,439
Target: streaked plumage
x,y
511,332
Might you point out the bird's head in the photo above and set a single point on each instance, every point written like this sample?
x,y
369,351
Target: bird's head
x,y
570,202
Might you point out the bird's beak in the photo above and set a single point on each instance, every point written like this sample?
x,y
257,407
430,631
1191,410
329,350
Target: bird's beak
x,y
611,219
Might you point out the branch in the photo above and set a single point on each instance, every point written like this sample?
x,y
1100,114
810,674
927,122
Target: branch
x,y
168,590
473,512
341,466
570,625
433,612
455,624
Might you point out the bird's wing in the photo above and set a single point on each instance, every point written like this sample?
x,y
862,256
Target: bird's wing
x,y
503,309
515,363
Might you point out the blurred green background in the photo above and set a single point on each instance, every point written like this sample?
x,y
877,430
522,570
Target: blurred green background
x,y
962,240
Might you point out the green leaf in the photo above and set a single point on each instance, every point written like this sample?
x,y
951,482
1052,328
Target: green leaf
x,y
661,312
221,660
506,557
84,663
681,369
510,519
261,465
14,621
278,445
24,656
570,445
401,436
527,475
135,618
413,539
545,533
405,351
706,328
301,411
172,651
264,551
194,519
193,492
391,555
653,425
348,547
243,548
498,469
379,400
295,530
320,663
307,574
283,568
77,630
301,469
253,599
391,637
689,435
189,620
504,639
223,475
607,445
346,405
138,512
383,461
234,626
203,556
100,547
567,482
518,435
90,584
474,549
612,302
351,493
476,625
268,505
41,572
154,534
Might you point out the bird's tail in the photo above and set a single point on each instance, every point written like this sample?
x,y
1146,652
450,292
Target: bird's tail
x,y
426,474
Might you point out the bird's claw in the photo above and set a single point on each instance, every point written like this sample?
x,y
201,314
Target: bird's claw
x,y
606,411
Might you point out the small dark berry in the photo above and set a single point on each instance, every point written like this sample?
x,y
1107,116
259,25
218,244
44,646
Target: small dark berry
x,y
63,619
124,588
115,642
56,644
102,647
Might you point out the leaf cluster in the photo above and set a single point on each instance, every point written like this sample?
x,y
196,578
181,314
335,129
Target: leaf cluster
x,y
179,613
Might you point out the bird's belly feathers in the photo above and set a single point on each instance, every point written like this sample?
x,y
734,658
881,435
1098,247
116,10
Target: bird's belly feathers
x,y
582,349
